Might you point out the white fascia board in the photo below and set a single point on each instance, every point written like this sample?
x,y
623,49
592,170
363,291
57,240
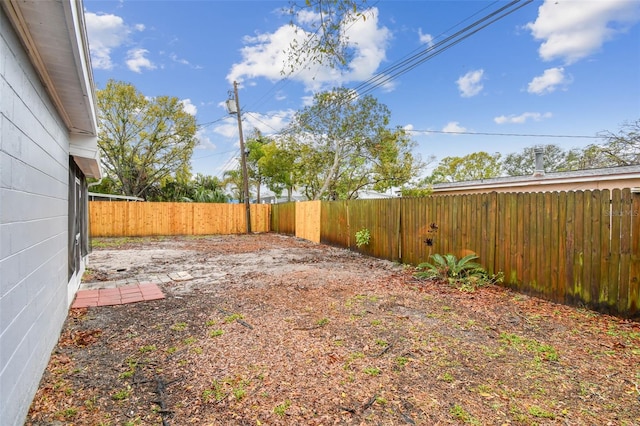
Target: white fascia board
x,y
86,154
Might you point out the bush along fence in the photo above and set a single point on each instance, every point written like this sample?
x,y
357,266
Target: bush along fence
x,y
580,248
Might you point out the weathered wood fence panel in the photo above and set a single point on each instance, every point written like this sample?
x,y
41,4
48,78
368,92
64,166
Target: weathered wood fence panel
x,y
577,247
283,218
117,219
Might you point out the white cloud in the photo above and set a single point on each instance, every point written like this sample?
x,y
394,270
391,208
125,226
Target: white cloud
x,y
470,84
549,81
204,142
522,118
188,107
136,60
182,61
425,38
265,55
574,29
454,127
106,32
228,128
269,123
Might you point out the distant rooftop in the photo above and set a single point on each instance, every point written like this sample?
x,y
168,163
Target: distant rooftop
x,y
553,178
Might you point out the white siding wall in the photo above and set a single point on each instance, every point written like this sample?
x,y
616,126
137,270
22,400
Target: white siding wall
x,y
34,145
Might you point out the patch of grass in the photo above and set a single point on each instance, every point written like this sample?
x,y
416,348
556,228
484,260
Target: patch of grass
x,y
381,400
322,322
540,413
68,413
541,351
127,374
171,349
210,323
401,361
233,317
122,394
461,414
180,326
447,377
216,333
148,348
190,340
376,322
215,393
382,343
239,392
352,357
281,409
372,371
112,242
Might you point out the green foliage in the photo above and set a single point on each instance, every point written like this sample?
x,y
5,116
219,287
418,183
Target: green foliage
x,y
341,145
363,237
478,165
372,371
464,274
281,409
143,140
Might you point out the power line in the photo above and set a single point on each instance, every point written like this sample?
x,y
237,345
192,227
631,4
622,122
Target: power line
x,y
406,65
503,134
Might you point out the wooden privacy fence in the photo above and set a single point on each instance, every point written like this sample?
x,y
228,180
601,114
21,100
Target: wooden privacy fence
x,y
118,219
580,248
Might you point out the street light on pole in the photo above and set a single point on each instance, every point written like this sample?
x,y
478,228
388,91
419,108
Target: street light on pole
x,y
233,107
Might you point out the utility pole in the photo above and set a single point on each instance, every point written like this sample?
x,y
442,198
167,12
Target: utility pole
x,y
243,160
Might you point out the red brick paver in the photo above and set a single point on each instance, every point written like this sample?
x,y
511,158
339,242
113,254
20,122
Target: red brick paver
x,y
117,296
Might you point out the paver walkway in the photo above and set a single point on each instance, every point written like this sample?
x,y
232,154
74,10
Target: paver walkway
x,y
117,295
130,290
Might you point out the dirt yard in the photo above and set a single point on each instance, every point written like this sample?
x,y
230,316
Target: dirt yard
x,y
272,330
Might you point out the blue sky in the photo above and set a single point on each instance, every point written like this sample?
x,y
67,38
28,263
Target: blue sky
x,y
559,67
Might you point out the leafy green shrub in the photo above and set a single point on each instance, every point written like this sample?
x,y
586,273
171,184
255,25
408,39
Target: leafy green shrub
x,y
363,237
464,274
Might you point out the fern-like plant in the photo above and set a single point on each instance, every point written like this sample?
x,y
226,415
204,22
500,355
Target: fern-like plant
x,y
465,274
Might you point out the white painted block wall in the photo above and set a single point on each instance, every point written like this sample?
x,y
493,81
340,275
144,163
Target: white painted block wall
x,y
34,156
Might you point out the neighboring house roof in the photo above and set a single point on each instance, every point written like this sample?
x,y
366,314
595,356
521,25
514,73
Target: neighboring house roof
x,y
97,196
54,35
606,178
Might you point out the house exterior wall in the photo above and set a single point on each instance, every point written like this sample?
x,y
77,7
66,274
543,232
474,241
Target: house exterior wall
x,y
34,182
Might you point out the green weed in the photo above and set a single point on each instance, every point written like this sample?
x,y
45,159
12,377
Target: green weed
x,y
540,413
372,371
232,318
148,348
281,409
181,326
461,414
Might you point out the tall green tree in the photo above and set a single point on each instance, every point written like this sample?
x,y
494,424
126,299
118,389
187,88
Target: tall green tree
x,y
277,167
233,181
143,140
342,145
524,163
477,165
255,151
